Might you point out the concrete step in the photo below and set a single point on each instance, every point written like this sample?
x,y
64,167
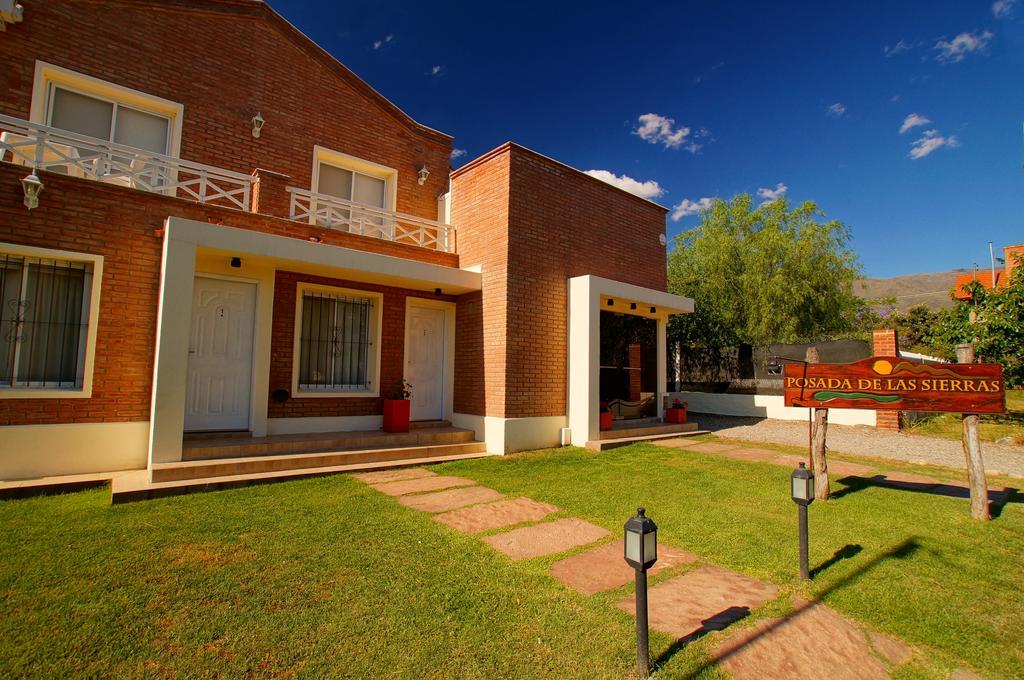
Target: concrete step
x,y
224,467
605,444
438,432
428,424
647,429
138,486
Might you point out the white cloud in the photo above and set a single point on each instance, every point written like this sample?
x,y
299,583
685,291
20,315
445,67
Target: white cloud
x,y
899,48
912,121
377,44
688,207
657,129
838,109
775,194
458,153
929,142
957,49
435,70
1002,9
649,189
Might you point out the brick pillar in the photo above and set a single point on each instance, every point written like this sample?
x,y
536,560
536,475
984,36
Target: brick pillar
x,y
886,344
634,372
270,193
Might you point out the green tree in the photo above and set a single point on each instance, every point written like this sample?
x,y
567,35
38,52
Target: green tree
x,y
999,327
763,274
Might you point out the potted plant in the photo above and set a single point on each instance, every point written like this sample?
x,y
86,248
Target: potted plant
x,y
676,413
396,406
606,417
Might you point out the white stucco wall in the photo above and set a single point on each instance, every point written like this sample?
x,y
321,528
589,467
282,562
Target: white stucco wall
x,y
765,406
29,451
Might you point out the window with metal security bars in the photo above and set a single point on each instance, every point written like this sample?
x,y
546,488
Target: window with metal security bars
x,y
335,337
44,319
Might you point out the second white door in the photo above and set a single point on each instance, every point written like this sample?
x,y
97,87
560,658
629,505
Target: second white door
x,y
424,361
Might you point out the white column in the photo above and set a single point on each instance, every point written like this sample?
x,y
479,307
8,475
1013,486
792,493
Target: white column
x,y
662,365
174,322
584,352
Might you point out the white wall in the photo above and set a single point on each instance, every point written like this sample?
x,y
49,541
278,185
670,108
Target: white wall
x,y
765,406
28,451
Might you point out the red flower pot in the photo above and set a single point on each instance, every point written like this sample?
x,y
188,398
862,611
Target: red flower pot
x,y
606,421
396,415
675,414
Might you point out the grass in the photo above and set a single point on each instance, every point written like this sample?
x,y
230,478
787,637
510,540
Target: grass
x,y
327,577
990,427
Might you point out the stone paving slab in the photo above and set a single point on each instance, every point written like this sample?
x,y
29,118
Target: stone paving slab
x,y
845,469
894,651
434,483
384,476
791,460
710,447
479,518
604,568
814,643
702,600
546,539
450,499
752,454
677,443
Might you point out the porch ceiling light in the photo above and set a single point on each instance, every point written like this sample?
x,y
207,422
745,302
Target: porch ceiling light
x,y
632,305
654,310
422,174
32,187
611,302
257,125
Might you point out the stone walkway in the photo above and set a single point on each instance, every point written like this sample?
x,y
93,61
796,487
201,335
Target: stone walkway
x,y
812,642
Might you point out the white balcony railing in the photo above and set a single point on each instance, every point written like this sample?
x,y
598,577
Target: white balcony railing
x,y
337,213
47,148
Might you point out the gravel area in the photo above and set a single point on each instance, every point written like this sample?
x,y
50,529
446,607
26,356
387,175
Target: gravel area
x,y
866,441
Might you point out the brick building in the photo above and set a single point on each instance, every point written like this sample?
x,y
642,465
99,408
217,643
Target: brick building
x,y
251,241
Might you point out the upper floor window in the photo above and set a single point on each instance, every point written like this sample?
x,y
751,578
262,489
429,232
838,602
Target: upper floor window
x,y
353,179
47,305
78,103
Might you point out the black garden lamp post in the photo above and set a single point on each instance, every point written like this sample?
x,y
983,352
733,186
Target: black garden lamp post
x,y
802,491
641,552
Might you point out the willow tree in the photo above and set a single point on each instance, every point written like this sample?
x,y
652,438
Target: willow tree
x,y
763,274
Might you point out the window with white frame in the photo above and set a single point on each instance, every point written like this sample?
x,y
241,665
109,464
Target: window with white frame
x,y
107,119
44,321
336,339
352,185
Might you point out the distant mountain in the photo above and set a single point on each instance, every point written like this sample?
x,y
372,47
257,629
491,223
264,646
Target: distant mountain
x,y
913,289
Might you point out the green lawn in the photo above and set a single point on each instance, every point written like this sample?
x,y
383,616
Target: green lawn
x,y
327,577
990,427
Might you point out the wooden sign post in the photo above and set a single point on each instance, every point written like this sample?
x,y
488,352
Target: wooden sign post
x,y
819,463
893,383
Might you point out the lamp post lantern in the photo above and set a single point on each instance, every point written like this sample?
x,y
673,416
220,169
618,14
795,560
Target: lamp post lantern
x,y
802,492
641,552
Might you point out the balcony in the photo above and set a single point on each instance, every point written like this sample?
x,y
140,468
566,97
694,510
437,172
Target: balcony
x,y
46,148
330,212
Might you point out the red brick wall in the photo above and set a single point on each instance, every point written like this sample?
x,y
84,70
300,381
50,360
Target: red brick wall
x,y
480,206
392,351
885,343
120,223
224,61
560,223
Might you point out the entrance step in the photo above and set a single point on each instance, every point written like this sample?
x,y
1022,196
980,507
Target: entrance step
x,y
298,460
216,447
138,486
606,444
621,430
428,424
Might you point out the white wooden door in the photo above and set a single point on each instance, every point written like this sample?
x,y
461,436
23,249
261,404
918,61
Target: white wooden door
x,y
424,362
220,355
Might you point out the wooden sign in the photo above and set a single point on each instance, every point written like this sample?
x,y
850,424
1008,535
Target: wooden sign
x,y
895,384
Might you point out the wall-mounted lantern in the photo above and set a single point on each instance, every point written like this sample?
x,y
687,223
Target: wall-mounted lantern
x,y
257,125
32,187
422,174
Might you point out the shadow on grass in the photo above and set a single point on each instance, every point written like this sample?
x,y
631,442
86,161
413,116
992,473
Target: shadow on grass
x,y
900,551
997,499
846,552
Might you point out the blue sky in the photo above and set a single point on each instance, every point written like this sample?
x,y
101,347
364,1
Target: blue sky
x,y
716,98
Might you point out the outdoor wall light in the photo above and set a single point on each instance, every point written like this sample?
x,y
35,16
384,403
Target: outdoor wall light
x,y
802,492
611,302
640,539
422,174
32,187
654,310
632,305
437,291
257,125
236,262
